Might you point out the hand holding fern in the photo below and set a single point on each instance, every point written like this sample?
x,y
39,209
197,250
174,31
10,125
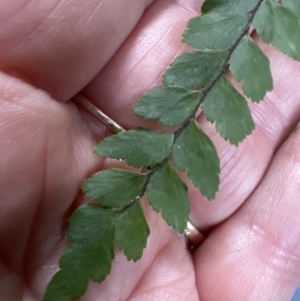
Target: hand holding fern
x,y
46,153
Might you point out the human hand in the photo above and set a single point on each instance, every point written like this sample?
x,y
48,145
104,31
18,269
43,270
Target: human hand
x,y
50,50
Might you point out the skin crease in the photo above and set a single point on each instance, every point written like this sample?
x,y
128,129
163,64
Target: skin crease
x,y
113,51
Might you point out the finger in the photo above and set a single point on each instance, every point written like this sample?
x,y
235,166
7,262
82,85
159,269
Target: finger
x,y
60,46
138,66
140,62
242,167
45,154
255,254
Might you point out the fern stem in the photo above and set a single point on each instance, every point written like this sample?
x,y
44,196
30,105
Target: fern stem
x,y
222,71
204,93
117,128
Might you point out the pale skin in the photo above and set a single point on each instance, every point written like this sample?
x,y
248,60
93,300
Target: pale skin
x,y
112,52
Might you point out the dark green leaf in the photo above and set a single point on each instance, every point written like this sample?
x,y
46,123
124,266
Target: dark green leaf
x,y
88,257
65,287
228,6
195,69
167,194
215,31
280,27
132,231
250,66
171,105
195,153
293,5
113,187
229,110
139,148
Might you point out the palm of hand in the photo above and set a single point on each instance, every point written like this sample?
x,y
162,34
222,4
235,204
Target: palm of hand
x,y
46,153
